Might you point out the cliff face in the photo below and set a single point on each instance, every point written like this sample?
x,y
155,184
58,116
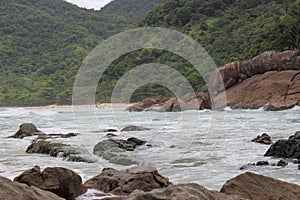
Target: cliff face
x,y
270,80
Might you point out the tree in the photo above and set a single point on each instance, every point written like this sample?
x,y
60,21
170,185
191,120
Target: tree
x,y
291,23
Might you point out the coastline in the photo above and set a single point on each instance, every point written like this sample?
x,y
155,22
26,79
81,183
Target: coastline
x,y
101,105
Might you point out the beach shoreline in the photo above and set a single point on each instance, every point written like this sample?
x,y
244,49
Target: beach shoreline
x,y
100,105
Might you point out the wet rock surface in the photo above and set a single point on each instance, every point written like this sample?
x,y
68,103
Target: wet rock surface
x,y
263,139
144,178
188,191
26,130
253,186
10,190
61,181
114,150
286,148
59,150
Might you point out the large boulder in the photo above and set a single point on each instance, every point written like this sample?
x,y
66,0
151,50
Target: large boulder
x,y
271,90
188,191
143,178
254,186
26,130
10,190
61,181
286,148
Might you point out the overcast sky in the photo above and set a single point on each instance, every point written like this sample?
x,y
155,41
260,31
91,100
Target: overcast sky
x,y
96,4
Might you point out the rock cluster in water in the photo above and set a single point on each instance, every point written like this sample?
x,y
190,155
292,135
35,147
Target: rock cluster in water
x,y
286,148
137,183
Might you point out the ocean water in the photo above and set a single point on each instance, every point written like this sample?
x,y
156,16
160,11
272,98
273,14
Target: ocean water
x,y
205,147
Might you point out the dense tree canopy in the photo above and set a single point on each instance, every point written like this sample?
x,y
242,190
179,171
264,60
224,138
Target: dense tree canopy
x,y
43,42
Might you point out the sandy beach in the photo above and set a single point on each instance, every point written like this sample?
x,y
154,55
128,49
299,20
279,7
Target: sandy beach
x,y
102,105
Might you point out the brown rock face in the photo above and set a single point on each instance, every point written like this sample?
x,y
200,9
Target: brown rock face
x,y
13,190
147,103
143,178
189,191
63,182
272,90
254,186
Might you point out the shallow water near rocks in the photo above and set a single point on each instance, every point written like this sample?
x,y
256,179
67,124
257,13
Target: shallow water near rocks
x,y
206,147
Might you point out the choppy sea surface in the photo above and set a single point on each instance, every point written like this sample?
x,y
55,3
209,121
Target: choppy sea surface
x,y
206,147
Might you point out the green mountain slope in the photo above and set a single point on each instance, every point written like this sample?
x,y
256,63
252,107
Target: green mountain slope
x,y
43,43
231,29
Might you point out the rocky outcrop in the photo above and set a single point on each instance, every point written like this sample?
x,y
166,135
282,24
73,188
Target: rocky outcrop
x,y
147,103
199,101
26,130
189,191
113,150
254,186
270,80
272,90
63,182
10,190
144,178
237,71
58,150
286,148
263,139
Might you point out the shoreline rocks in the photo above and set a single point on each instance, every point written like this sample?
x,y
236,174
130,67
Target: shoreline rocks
x,y
139,183
253,186
61,181
270,80
144,178
11,190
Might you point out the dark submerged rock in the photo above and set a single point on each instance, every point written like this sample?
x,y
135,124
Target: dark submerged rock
x,y
61,181
57,149
26,130
135,128
263,139
286,148
113,150
117,182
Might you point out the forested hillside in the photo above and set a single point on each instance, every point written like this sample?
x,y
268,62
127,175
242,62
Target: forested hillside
x,y
232,29
43,42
